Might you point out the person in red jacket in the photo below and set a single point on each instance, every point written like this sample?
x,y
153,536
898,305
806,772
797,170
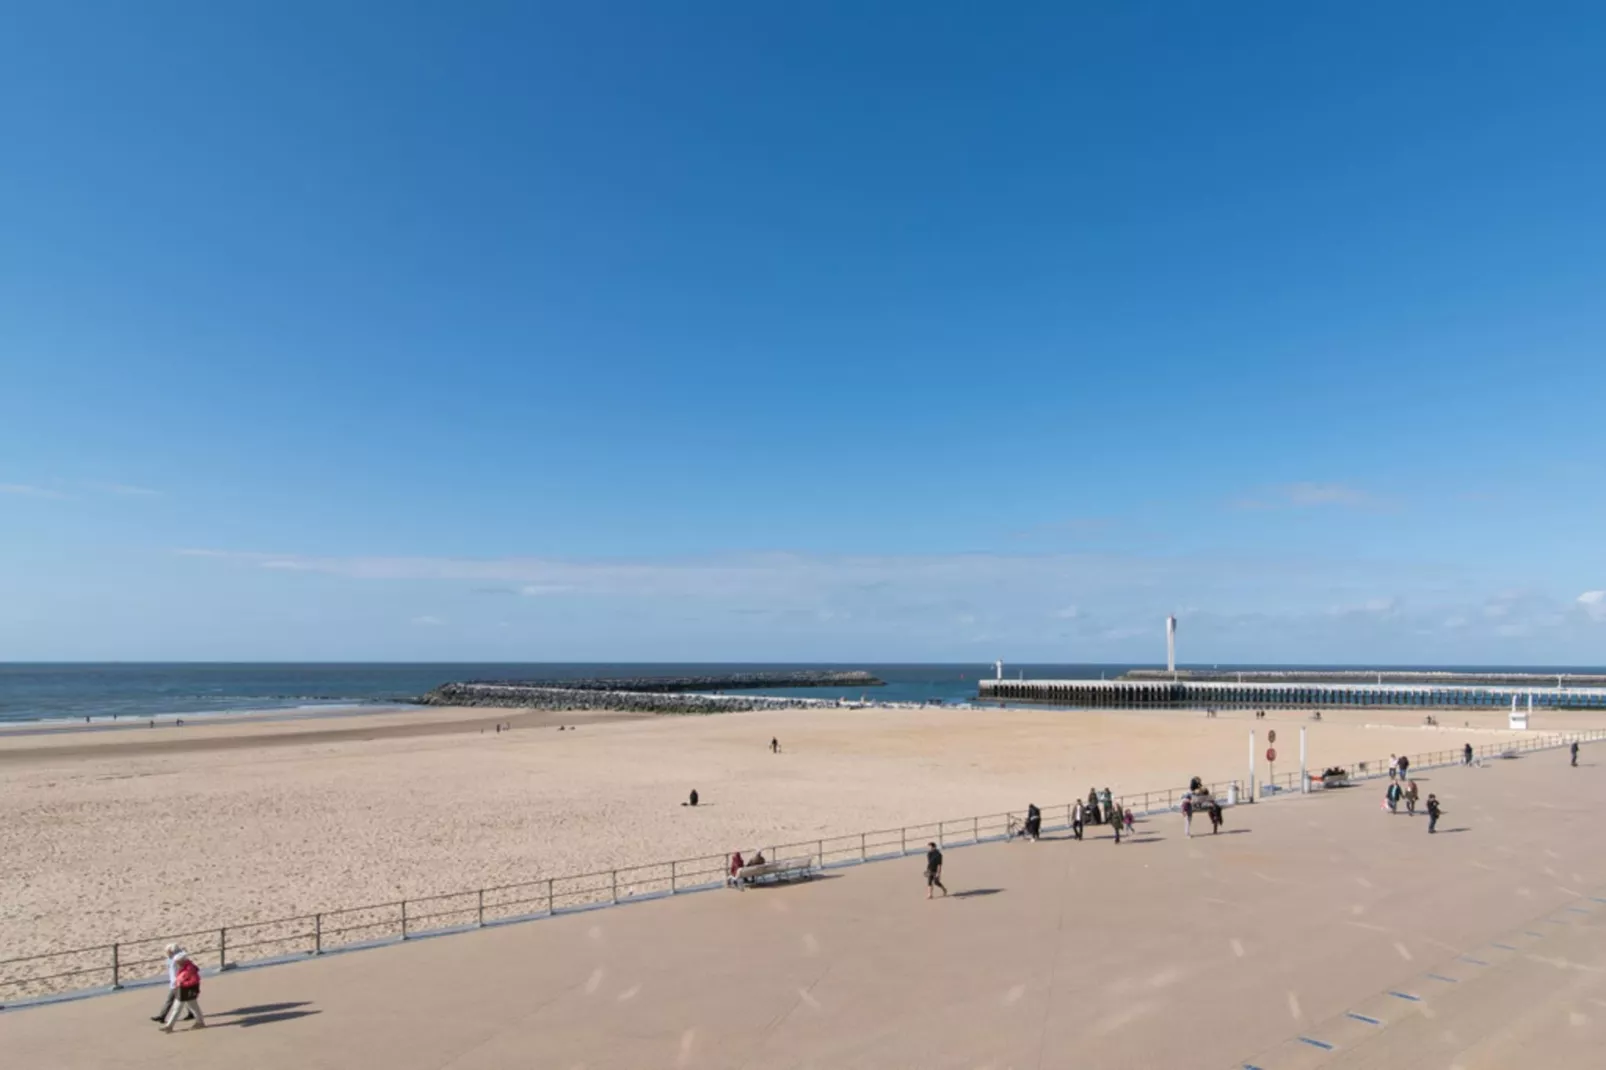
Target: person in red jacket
x,y
187,981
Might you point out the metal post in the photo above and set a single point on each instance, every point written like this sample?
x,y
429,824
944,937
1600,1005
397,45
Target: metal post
x,y
862,855
1304,781
117,972
671,878
975,830
223,948
404,919
1251,765
903,841
479,915
614,875
317,934
819,853
549,899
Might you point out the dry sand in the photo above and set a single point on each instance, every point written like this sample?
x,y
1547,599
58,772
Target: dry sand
x,y
112,835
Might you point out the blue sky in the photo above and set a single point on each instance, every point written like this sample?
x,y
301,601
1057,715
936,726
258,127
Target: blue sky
x,y
824,331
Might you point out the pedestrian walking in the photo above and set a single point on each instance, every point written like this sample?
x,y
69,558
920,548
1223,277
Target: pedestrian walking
x,y
1215,817
187,981
1187,815
1393,797
1466,757
934,870
1405,766
1107,806
1034,822
1575,753
173,953
1410,798
1434,812
1078,819
1394,766
1126,819
775,745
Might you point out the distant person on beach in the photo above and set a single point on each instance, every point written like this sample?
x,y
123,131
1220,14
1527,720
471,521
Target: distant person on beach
x,y
1466,757
187,994
693,800
1187,815
1078,819
1574,749
1434,811
934,870
775,746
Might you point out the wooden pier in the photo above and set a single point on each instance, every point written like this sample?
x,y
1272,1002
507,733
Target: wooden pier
x,y
1154,694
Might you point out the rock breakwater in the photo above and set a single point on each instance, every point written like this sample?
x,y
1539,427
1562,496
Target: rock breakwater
x,y
654,694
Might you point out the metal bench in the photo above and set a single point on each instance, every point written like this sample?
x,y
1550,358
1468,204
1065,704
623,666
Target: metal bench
x,y
782,869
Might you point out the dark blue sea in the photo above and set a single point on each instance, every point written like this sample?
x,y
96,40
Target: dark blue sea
x,y
71,692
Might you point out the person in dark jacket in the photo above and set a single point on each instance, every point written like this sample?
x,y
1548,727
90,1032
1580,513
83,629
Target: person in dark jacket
x,y
1434,811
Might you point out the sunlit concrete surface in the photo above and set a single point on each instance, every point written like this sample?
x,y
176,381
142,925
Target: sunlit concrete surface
x,y
1308,919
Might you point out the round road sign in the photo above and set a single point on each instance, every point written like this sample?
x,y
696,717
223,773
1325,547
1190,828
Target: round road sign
x,y
1271,737
1271,754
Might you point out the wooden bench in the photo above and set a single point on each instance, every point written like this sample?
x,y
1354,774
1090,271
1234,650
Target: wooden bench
x,y
782,869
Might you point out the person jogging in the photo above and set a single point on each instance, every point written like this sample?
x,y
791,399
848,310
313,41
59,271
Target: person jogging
x,y
1434,812
934,870
187,979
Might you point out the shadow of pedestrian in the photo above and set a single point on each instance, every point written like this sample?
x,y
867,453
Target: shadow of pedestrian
x,y
1458,828
973,893
267,1014
262,1008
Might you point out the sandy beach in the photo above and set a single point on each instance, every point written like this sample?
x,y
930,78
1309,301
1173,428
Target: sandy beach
x,y
118,834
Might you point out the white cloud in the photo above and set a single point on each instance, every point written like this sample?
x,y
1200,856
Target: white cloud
x,y
27,490
1306,495
126,490
1594,603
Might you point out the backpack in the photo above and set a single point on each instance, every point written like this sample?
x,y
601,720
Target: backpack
x,y
189,974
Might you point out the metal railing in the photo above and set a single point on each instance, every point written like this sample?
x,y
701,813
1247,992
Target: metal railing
x,y
140,961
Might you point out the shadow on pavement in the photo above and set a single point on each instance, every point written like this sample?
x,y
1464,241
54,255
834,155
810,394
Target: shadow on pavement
x,y
973,893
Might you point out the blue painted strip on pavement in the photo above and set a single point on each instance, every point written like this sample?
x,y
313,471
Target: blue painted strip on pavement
x,y
1313,1042
1475,962
1368,1019
1406,995
1554,921
1530,932
1598,898
1579,910
1441,977
1504,947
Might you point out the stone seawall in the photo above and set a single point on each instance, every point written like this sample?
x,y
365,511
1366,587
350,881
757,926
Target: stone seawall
x,y
522,696
724,682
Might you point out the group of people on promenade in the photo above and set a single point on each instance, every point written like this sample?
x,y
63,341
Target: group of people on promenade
x,y
183,990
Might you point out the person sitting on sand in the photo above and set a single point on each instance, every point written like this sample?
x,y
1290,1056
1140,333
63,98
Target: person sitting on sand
x,y
693,800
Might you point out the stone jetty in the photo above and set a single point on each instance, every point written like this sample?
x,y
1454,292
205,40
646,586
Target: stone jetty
x,y
652,694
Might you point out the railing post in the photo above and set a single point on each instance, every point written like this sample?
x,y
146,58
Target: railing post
x,y
479,916
614,878
404,919
862,855
903,841
975,829
819,854
317,934
117,971
223,948
549,899
671,878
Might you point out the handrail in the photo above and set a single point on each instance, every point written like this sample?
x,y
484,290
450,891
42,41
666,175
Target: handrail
x,y
560,894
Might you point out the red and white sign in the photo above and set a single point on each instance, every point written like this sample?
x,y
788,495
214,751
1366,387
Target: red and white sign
x,y
1271,754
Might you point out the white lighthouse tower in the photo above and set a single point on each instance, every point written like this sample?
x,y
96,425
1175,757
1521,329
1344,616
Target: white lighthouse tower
x,y
1171,644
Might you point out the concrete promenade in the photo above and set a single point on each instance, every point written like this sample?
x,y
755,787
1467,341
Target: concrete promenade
x,y
1319,918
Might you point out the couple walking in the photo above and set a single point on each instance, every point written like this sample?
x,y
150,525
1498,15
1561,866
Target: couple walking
x,y
183,990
